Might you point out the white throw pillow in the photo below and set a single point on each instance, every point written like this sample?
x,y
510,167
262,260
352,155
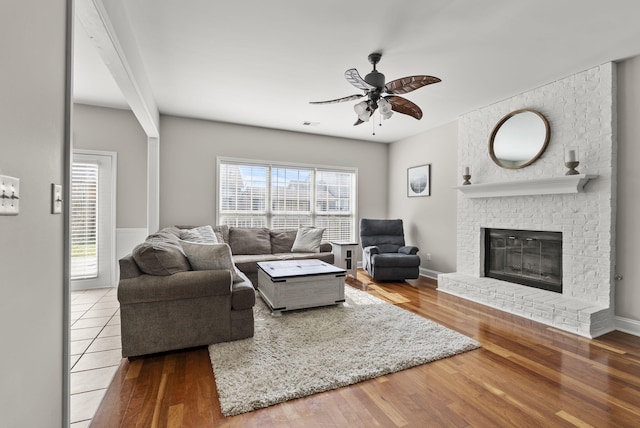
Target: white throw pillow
x,y
202,234
307,240
210,257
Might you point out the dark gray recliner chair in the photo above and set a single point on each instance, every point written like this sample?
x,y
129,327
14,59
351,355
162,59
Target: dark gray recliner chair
x,y
384,254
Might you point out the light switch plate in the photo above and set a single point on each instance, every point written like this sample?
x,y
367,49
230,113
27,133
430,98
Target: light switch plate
x,y
9,195
56,198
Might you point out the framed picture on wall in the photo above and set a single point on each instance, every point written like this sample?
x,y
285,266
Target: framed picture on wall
x,y
419,181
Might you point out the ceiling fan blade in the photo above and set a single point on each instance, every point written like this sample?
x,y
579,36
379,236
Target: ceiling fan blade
x,y
404,106
338,100
354,78
358,122
409,83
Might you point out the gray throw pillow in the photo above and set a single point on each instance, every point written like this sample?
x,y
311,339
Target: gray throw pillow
x,y
308,240
157,257
282,240
210,257
222,233
202,234
249,240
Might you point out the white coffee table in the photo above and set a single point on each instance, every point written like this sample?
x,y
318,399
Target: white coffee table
x,y
295,284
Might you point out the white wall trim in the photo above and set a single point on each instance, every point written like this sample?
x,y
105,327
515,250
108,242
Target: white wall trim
x,y
627,325
433,274
107,25
153,184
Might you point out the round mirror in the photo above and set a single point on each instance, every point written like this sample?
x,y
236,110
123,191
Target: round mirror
x,y
519,139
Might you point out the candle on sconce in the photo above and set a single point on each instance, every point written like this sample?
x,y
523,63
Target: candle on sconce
x,y
571,160
466,176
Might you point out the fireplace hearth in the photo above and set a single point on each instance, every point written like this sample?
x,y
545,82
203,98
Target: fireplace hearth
x,y
532,258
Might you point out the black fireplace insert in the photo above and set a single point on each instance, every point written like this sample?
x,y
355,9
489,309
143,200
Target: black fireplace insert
x,y
526,257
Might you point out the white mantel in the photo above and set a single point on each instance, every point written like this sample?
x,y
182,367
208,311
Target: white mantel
x,y
541,186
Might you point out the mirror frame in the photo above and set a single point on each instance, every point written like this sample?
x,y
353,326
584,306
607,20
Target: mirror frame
x,y
502,122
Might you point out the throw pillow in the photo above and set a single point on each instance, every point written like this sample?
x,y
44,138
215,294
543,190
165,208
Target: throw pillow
x,y
163,236
210,257
282,240
308,240
157,257
202,234
249,240
222,233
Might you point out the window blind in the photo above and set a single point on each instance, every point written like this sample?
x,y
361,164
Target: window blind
x,y
84,221
288,196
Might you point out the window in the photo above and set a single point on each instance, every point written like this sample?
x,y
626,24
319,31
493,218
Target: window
x,y
84,220
255,194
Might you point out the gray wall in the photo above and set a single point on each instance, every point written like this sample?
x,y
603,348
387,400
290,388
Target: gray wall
x,y
429,221
188,150
627,297
32,147
108,129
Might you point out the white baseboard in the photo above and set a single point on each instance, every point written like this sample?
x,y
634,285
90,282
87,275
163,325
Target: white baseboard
x,y
433,274
627,325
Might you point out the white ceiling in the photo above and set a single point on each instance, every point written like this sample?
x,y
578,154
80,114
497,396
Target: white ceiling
x,y
259,63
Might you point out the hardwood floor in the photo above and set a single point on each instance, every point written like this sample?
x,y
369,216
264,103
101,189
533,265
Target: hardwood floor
x,y
525,375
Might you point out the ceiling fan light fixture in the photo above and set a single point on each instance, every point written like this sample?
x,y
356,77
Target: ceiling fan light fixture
x,y
384,107
364,116
362,110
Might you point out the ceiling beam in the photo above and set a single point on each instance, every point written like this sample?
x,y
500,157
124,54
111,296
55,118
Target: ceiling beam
x,y
108,28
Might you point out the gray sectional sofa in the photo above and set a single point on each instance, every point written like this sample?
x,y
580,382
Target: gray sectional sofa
x,y
252,245
166,304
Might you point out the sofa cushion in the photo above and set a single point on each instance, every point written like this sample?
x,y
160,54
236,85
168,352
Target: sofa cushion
x,y
307,240
167,231
210,257
160,257
222,233
395,260
163,235
249,240
247,263
282,240
202,234
243,295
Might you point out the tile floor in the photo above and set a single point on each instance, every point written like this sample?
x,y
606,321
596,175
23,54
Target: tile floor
x,y
95,350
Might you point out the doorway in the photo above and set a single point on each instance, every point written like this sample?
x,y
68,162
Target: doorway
x,y
93,211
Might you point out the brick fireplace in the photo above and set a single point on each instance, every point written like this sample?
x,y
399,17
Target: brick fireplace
x,y
581,113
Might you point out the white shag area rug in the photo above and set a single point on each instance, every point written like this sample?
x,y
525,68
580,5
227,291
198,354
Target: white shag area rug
x,y
309,351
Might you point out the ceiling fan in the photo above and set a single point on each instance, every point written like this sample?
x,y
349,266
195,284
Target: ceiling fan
x,y
374,88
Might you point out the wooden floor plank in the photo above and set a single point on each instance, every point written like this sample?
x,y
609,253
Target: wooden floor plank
x,y
525,374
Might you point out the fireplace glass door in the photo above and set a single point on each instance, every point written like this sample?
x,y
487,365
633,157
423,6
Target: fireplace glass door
x,y
530,258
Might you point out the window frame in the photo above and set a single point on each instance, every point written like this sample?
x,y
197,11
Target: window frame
x,y
107,262
270,213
